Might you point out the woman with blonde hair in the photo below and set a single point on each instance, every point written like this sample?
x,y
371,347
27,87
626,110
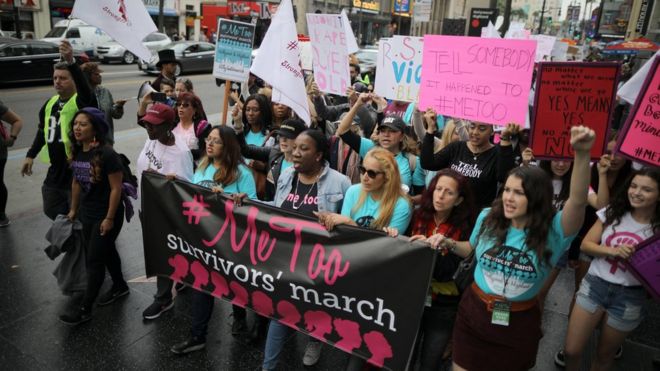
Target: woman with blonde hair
x,y
378,201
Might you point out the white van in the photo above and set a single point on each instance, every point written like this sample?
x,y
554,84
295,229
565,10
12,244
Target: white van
x,y
82,36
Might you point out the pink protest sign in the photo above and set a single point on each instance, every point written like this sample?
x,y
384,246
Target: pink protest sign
x,y
645,264
482,80
640,140
329,52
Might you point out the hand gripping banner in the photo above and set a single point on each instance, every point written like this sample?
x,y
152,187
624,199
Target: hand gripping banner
x,y
356,289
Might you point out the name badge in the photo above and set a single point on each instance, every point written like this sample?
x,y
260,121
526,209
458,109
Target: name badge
x,y
501,313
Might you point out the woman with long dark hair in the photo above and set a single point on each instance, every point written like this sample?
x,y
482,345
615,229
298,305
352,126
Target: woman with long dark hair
x,y
192,127
610,295
96,201
221,170
517,242
444,218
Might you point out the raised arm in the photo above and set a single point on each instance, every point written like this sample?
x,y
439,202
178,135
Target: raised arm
x,y
601,198
582,139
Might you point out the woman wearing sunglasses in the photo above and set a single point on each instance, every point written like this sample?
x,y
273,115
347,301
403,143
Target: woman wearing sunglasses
x,y
222,170
192,127
390,136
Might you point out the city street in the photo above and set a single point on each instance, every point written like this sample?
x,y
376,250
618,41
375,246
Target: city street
x,y
32,337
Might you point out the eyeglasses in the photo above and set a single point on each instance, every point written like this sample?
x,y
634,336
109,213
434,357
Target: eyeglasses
x,y
213,141
184,105
370,173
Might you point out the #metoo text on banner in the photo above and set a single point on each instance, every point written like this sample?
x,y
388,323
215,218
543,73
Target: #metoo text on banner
x,y
329,53
570,94
481,80
640,139
334,286
399,68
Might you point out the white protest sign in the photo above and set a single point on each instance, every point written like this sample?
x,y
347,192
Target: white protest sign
x,y
544,46
329,53
559,51
306,55
400,70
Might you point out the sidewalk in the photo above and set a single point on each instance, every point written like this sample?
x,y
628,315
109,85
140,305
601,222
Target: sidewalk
x,y
32,338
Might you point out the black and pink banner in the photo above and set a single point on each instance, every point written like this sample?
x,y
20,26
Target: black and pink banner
x,y
356,289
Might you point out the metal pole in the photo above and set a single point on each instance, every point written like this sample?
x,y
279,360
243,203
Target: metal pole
x,y
17,20
360,25
542,16
161,19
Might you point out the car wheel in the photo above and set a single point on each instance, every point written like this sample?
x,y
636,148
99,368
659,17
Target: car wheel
x,y
178,70
128,58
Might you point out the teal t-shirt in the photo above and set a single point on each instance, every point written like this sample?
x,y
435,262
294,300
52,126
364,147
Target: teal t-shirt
x,y
417,178
370,209
256,139
285,165
510,271
244,184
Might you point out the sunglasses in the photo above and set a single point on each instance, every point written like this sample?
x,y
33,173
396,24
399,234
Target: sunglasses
x,y
213,141
370,173
184,105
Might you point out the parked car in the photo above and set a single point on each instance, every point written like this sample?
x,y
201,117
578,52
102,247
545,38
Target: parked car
x,y
81,35
30,60
192,56
112,51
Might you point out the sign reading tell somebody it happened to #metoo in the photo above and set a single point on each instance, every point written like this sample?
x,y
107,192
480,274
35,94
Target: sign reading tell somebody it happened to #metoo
x,y
640,139
481,80
571,94
329,53
233,50
399,67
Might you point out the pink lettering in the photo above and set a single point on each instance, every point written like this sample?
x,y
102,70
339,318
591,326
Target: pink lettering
x,y
317,265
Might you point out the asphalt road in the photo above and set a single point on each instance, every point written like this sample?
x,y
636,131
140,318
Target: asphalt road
x,y
123,82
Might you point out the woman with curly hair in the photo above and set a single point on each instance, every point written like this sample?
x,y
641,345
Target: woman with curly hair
x,y
609,293
517,242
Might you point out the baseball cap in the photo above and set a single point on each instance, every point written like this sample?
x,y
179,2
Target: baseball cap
x,y
394,123
290,128
159,113
360,87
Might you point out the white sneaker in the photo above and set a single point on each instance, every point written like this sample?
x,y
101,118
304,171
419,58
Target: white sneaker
x,y
312,353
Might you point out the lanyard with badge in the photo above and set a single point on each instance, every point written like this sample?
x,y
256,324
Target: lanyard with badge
x,y
502,307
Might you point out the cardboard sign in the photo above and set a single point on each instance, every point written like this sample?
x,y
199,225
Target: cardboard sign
x,y
329,53
544,46
645,264
482,80
399,68
233,50
570,94
640,139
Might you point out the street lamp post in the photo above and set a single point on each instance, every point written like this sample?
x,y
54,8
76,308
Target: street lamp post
x,y
17,19
542,16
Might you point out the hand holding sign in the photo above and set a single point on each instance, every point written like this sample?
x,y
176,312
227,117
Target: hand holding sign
x,y
430,118
604,165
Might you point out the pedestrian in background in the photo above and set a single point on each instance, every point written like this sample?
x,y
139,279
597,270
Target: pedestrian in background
x,y
112,109
7,139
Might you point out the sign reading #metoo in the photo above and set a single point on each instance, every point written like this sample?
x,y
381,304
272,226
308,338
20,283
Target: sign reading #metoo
x,y
640,140
399,68
333,286
570,94
329,53
481,80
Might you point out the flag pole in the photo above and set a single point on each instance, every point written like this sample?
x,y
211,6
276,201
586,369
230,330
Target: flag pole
x,y
225,103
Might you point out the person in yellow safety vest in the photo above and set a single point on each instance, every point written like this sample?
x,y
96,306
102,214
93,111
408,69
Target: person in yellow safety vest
x,y
52,143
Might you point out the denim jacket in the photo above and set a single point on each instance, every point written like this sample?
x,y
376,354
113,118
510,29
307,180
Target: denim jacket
x,y
332,186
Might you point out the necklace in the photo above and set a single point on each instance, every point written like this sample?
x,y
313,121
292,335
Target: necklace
x,y
475,155
302,201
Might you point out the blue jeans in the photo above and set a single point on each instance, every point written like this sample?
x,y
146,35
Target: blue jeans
x,y
436,330
277,336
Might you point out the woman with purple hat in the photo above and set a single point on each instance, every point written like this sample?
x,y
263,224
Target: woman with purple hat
x,y
96,195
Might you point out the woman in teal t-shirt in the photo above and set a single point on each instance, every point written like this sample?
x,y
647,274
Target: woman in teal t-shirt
x,y
378,201
517,242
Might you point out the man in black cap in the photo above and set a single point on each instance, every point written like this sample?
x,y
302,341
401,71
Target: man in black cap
x,y
167,64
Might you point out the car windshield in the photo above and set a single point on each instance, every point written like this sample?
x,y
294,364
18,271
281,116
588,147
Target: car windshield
x,y
56,32
366,56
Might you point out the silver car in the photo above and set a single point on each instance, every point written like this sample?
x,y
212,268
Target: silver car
x,y
112,51
191,56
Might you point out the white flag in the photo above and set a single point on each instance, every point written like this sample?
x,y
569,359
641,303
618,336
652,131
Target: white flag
x,y
351,44
630,90
278,62
126,21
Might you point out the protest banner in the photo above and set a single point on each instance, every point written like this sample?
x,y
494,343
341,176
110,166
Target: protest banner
x,y
482,80
329,53
645,265
544,46
333,286
640,137
233,50
400,68
571,94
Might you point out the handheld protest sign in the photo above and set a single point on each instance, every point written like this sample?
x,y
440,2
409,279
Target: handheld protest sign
x,y
640,137
481,80
400,68
570,94
645,265
329,53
